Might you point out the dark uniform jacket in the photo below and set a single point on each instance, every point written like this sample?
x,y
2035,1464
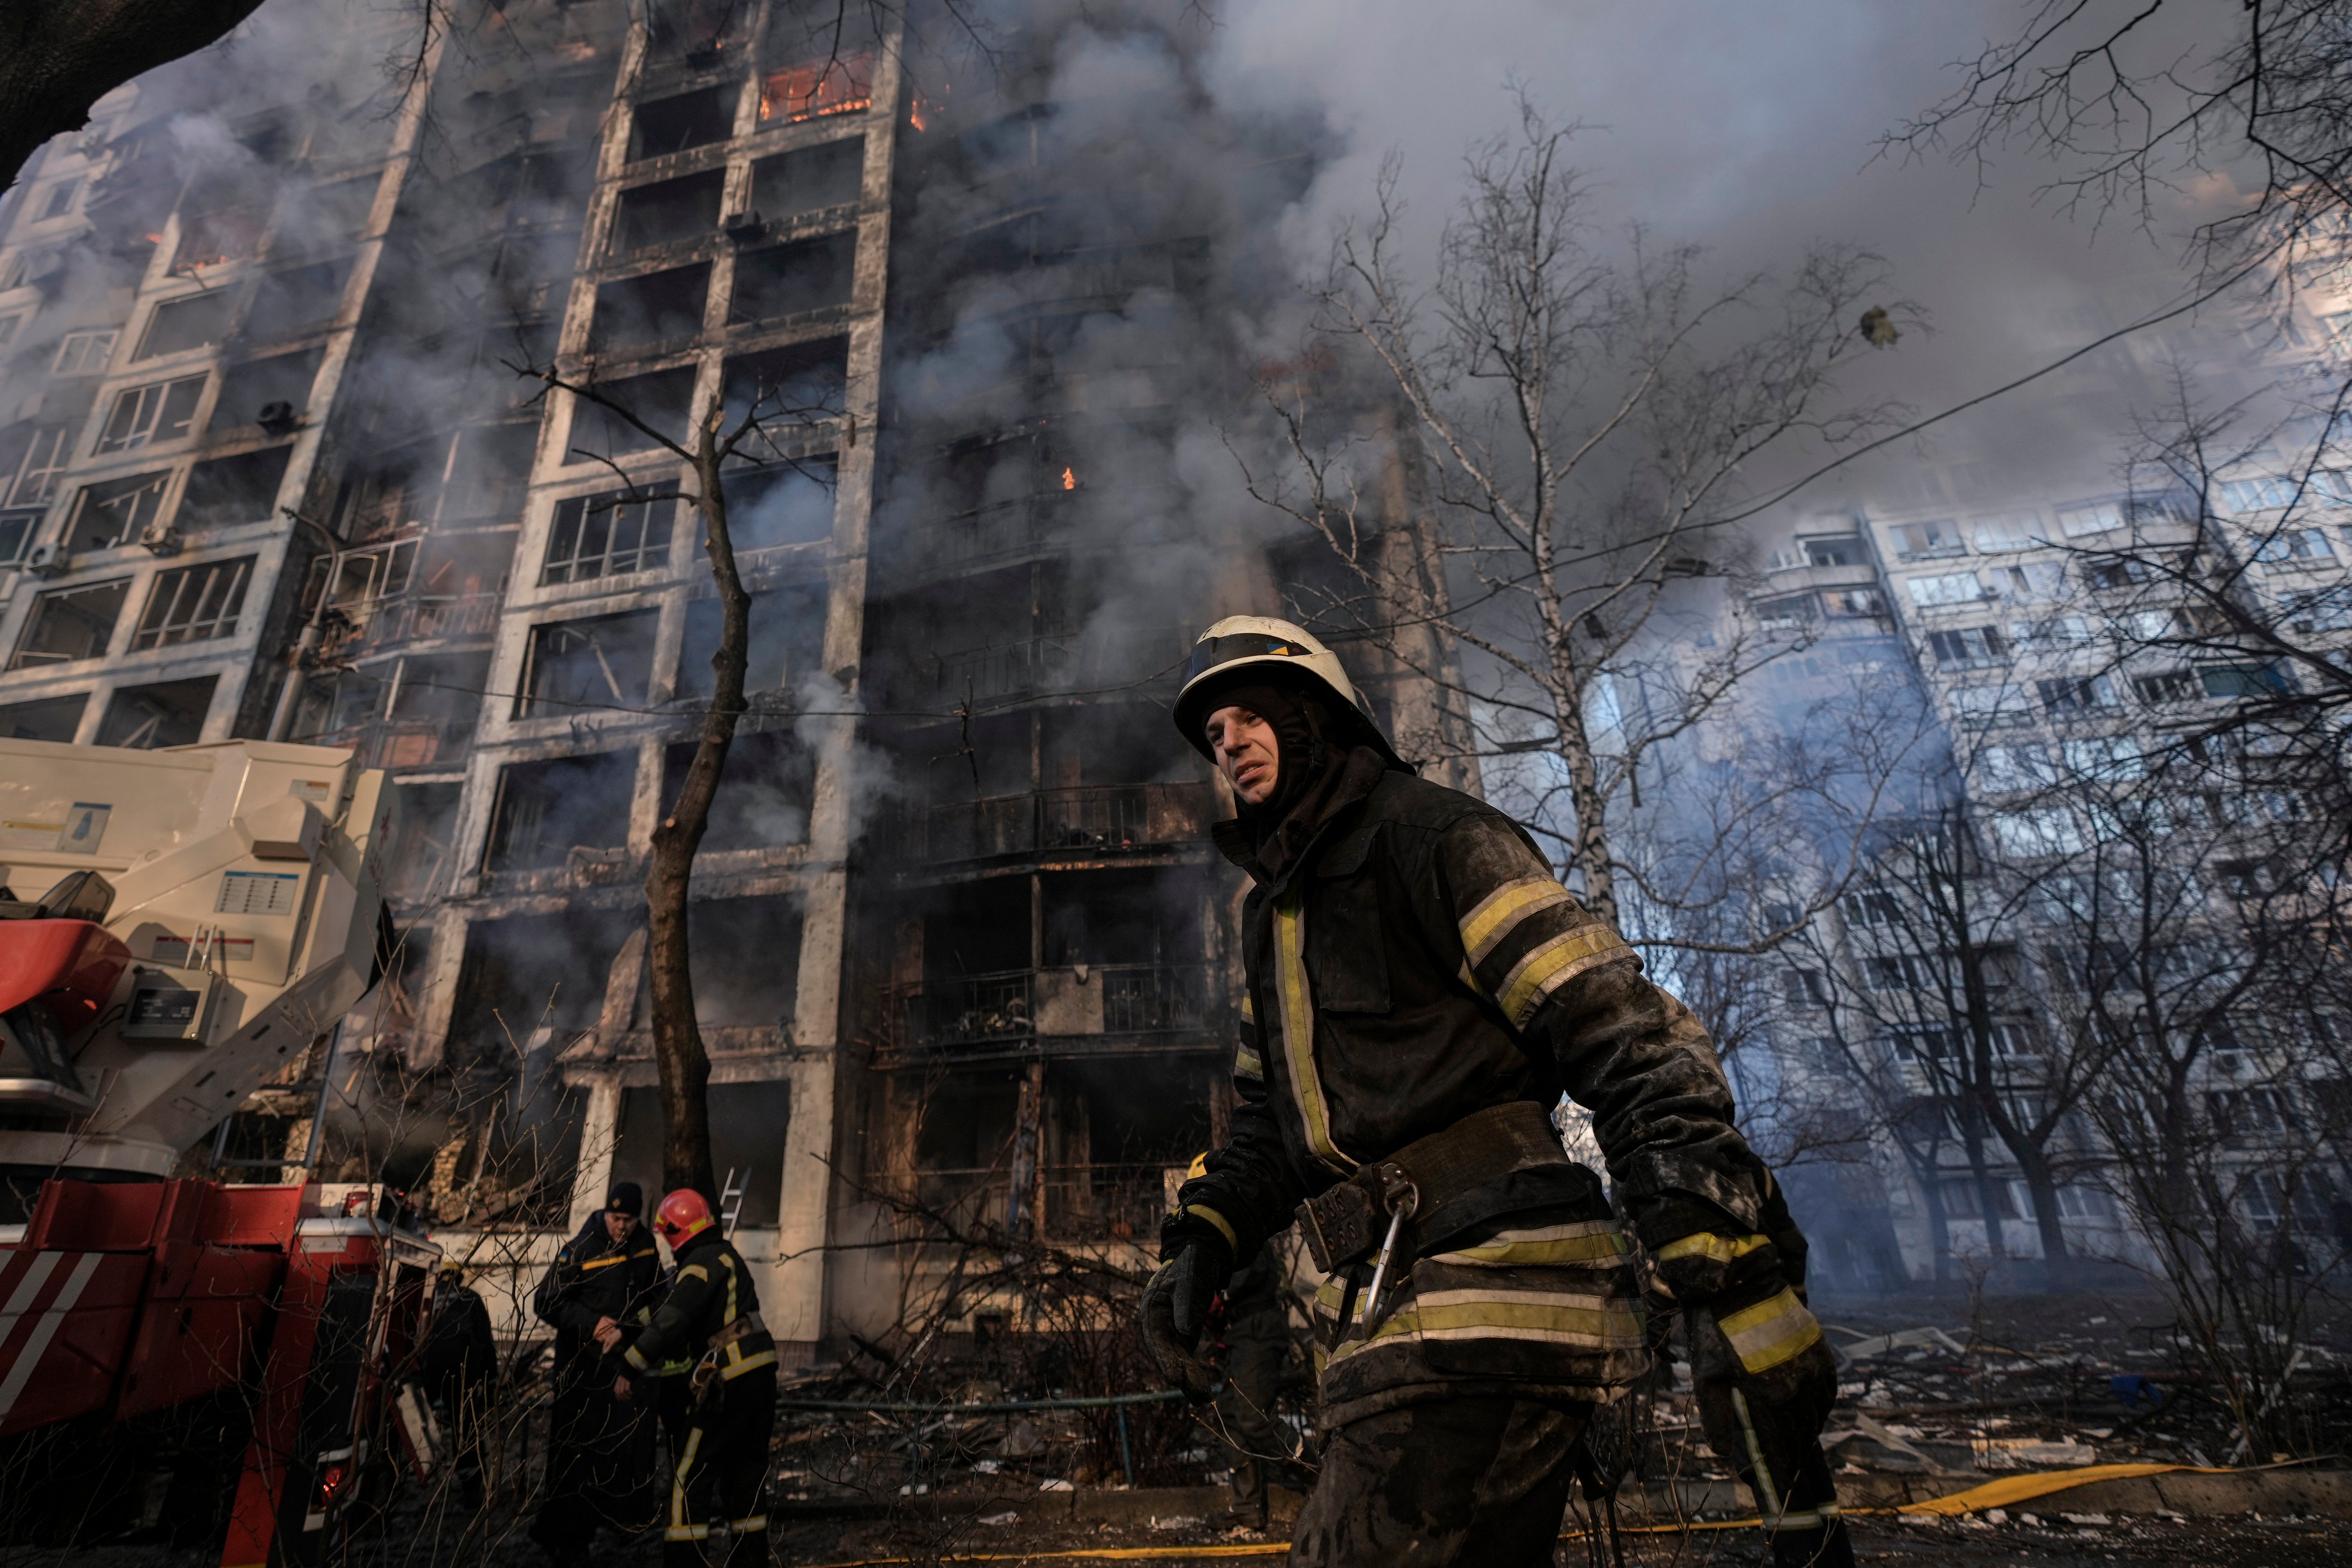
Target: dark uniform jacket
x,y
461,1351
595,1277
1416,963
711,1289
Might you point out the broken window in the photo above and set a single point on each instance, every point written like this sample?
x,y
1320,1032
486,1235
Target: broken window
x,y
193,603
787,641
115,511
668,212
606,535
527,972
690,120
17,528
168,713
662,400
490,473
302,299
596,664
745,954
421,854
319,215
748,1122
225,491
220,220
1122,918
184,324
830,173
69,624
788,280
635,311
764,792
161,411
31,458
783,504
507,362
529,268
432,708
47,718
544,810
828,84
787,389
699,32
269,392
85,352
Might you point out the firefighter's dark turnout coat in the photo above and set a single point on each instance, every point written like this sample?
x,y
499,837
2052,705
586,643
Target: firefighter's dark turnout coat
x,y
712,1310
1417,963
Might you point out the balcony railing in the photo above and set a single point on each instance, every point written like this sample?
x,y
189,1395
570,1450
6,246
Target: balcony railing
x,y
1001,528
399,743
1082,1202
1107,817
1073,662
978,1012
386,623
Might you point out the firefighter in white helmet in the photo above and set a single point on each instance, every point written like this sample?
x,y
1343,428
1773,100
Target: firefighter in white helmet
x,y
1421,991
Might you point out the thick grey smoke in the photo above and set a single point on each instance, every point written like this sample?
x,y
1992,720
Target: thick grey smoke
x,y
1753,130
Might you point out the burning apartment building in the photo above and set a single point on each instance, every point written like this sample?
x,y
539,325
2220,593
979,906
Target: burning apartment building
x,y
283,455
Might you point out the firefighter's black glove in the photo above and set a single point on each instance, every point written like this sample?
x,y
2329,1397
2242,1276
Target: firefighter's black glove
x,y
1764,1379
1176,1309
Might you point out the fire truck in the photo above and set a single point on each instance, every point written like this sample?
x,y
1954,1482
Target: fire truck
x,y
177,927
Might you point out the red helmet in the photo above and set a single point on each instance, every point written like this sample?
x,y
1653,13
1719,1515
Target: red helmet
x,y
684,1214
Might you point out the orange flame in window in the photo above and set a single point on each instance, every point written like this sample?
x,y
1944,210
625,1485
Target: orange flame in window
x,y
1069,478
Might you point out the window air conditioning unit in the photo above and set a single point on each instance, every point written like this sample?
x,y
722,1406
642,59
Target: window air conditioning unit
x,y
47,561
160,540
744,225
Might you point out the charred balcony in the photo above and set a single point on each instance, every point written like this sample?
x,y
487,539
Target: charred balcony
x,y
1083,1009
1085,822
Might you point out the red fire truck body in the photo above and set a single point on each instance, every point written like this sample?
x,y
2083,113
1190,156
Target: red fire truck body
x,y
174,926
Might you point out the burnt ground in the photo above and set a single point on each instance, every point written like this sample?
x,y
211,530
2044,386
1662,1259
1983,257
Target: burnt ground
x,y
2010,1385
2200,1543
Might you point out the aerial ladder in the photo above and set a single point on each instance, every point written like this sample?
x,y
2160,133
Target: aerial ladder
x,y
177,928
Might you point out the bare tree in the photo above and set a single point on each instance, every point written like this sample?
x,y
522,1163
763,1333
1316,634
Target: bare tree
x,y
2133,99
755,432
1586,416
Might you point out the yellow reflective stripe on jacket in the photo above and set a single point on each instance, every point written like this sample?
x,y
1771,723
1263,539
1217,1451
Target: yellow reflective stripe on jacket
x,y
1586,1241
1224,1227
1554,964
1541,1317
1249,1008
1247,1063
1708,1244
1298,1029
1495,917
1771,1331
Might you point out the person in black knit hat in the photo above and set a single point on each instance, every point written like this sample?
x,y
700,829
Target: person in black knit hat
x,y
599,1457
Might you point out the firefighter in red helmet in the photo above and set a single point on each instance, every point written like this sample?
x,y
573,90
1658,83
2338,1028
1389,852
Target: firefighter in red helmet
x,y
1421,991
711,1316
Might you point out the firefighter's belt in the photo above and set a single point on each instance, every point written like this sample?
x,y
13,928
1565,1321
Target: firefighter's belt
x,y
1345,1223
741,1327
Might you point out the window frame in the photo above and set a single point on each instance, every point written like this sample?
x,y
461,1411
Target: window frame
x,y
160,624
138,415
91,350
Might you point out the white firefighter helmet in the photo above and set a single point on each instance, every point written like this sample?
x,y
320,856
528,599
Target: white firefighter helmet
x,y
1238,643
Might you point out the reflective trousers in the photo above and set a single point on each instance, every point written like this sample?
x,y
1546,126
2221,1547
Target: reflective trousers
x,y
1480,1482
726,1441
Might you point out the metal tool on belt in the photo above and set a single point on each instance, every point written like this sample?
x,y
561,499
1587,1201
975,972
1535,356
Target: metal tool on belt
x,y
1401,1197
